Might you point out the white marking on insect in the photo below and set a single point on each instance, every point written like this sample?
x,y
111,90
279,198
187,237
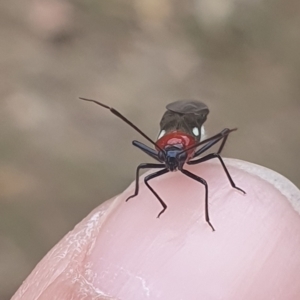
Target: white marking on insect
x,y
162,133
196,131
203,134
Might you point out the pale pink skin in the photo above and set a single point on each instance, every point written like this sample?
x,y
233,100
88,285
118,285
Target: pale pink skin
x,y
122,251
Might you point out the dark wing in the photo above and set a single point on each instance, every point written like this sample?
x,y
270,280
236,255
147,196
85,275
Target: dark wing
x,y
185,116
188,107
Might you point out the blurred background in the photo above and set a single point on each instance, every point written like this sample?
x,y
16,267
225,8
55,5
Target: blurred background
x,y
61,157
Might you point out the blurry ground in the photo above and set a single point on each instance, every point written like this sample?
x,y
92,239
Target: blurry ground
x,y
60,157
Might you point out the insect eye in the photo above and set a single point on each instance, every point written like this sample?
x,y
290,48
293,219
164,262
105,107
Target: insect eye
x,y
182,156
161,156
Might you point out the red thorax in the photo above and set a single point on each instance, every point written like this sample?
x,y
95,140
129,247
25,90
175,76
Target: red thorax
x,y
177,139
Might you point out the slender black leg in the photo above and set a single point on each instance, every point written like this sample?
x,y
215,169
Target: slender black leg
x,y
151,152
143,166
222,136
201,180
217,155
224,132
151,176
223,143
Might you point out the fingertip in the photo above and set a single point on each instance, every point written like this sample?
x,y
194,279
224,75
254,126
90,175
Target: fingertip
x,y
135,244
121,250
278,181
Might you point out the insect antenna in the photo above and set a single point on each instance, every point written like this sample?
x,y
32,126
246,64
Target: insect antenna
x,y
119,115
218,135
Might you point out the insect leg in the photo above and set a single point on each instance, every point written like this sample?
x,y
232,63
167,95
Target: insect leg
x,y
223,143
149,151
217,155
143,166
151,176
201,180
217,136
223,135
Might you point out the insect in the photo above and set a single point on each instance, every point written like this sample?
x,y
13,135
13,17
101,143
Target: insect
x,y
178,143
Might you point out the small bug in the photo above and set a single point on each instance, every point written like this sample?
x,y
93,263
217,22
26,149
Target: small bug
x,y
178,144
